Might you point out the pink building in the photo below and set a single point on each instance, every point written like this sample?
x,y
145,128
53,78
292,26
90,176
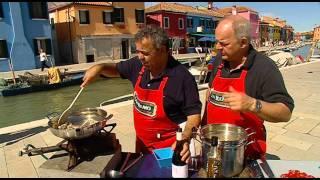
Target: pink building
x,y
249,14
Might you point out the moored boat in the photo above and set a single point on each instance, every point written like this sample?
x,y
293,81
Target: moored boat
x,y
282,58
38,83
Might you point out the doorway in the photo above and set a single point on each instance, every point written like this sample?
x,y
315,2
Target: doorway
x,y
125,48
90,58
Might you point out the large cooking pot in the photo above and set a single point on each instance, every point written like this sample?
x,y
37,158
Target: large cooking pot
x,y
79,124
232,141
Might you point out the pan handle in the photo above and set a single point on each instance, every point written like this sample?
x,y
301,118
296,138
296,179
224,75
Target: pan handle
x,y
113,126
52,115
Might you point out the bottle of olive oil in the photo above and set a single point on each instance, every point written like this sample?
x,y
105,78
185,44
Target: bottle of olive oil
x,y
179,168
214,164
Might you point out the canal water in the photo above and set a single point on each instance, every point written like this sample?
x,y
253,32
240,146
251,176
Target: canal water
x,y
35,106
303,51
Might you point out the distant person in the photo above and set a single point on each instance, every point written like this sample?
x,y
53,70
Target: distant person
x,y
246,87
165,92
43,59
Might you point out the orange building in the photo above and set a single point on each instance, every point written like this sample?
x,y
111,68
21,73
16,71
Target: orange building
x,y
94,31
316,34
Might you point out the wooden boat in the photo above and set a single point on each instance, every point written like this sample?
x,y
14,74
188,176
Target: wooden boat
x,y
282,58
39,84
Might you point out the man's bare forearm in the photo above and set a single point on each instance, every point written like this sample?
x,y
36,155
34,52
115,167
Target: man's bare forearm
x,y
274,112
192,121
109,70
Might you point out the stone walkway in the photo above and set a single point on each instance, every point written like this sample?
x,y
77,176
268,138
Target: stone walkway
x,y
297,139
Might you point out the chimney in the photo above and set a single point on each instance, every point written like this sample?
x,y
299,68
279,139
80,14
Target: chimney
x,y
234,10
210,5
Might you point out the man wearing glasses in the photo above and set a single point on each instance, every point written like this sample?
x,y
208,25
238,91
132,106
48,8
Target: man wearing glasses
x,y
165,92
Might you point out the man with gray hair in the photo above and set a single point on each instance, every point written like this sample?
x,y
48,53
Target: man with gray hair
x,y
165,92
246,87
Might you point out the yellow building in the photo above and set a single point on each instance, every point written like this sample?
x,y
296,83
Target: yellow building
x,y
276,30
94,31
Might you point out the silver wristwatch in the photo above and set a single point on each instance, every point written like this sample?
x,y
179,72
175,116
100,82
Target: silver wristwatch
x,y
258,106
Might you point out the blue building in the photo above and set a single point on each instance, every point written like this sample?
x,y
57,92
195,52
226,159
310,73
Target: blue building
x,y
201,24
24,29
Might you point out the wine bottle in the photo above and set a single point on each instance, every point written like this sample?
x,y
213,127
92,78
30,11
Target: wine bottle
x,y
214,164
179,167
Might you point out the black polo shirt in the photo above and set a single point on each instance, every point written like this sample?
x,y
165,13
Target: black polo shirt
x,y
181,95
264,81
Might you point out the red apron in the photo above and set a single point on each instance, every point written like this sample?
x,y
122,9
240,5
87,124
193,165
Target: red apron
x,y
153,128
219,112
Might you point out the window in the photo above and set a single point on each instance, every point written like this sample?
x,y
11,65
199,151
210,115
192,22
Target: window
x,y
106,17
189,22
139,16
118,15
1,11
166,23
215,23
84,17
208,23
133,47
181,23
44,44
201,22
38,10
3,49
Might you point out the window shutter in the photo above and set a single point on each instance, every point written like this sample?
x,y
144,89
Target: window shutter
x,y
122,15
112,17
1,10
31,9
104,17
88,17
137,16
44,8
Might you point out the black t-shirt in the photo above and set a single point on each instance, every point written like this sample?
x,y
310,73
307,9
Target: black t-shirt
x,y
181,95
263,81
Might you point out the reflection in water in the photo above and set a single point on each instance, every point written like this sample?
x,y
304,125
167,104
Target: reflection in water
x,y
35,106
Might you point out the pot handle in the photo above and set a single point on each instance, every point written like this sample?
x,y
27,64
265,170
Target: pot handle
x,y
252,132
250,142
113,126
52,115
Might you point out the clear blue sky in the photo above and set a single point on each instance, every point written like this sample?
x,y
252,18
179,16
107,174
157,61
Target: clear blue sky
x,y
302,16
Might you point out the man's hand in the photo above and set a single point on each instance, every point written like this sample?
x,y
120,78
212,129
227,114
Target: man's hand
x,y
239,101
185,153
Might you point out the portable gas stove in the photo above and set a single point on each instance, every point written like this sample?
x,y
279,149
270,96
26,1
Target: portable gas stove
x,y
80,152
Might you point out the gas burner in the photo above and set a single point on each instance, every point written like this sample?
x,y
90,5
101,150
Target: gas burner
x,y
79,150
